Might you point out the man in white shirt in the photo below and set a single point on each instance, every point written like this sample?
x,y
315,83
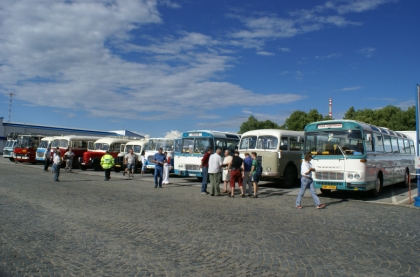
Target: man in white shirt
x,y
130,159
57,166
306,181
69,155
215,164
226,174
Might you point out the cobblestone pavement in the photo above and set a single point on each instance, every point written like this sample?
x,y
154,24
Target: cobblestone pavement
x,y
83,226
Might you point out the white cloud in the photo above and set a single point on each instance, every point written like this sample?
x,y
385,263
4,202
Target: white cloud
x,y
64,55
284,49
367,52
349,89
265,53
173,134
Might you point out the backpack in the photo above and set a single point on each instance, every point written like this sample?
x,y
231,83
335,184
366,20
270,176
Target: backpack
x,y
258,171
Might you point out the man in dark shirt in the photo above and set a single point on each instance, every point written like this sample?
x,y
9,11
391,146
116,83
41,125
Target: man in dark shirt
x,y
236,168
159,159
205,169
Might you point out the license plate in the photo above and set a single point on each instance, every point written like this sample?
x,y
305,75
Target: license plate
x,y
329,187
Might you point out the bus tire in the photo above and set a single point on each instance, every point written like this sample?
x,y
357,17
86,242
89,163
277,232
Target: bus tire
x,y
152,171
404,183
290,176
200,179
325,191
11,159
96,165
377,188
117,169
83,167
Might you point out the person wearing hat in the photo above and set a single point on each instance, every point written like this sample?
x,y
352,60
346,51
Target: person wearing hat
x,y
107,162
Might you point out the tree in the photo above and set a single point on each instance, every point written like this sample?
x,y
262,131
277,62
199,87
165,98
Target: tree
x,y
299,119
253,124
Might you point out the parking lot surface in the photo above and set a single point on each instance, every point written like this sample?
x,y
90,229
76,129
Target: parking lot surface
x,y
84,226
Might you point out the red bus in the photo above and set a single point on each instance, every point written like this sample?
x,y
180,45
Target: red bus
x,y
25,150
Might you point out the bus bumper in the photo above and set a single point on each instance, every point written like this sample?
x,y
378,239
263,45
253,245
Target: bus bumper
x,y
187,173
353,186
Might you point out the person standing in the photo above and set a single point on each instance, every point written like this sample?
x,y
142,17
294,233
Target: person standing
x,y
307,182
247,183
166,168
57,166
130,159
68,156
226,174
107,162
253,174
143,161
215,165
236,174
205,169
159,159
47,159
55,152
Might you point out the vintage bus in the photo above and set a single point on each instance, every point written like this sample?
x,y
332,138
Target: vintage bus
x,y
92,158
350,155
25,150
278,151
195,143
138,146
78,145
42,148
167,144
10,147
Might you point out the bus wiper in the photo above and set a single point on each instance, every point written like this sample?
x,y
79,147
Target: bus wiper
x,y
342,151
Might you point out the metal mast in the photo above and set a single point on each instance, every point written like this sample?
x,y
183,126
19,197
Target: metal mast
x,y
10,104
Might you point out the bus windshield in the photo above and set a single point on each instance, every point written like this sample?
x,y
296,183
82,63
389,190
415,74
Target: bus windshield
x,y
165,144
136,148
102,146
327,142
261,142
44,144
24,142
9,143
196,145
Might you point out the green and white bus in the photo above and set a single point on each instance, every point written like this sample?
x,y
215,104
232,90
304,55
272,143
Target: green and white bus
x,y
355,156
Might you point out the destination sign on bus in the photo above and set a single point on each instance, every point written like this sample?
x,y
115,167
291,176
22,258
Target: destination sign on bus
x,y
327,126
195,134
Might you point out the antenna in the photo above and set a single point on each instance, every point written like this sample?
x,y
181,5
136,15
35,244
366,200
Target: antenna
x,y
330,108
10,104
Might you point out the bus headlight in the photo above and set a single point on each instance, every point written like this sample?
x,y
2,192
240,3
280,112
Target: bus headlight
x,y
350,175
268,168
356,176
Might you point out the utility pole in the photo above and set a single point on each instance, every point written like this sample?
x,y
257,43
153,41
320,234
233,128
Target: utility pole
x,y
10,104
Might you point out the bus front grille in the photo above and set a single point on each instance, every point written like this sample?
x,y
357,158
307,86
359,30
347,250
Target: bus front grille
x,y
192,167
150,159
329,175
39,154
6,152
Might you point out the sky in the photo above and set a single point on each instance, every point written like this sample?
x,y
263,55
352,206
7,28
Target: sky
x,y
161,67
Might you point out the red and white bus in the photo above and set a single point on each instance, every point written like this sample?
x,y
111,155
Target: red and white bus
x,y
25,150
92,158
78,145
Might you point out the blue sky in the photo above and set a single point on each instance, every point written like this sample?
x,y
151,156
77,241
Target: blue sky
x,y
158,66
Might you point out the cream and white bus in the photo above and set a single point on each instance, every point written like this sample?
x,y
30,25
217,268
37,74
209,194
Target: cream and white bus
x,y
138,146
278,151
351,155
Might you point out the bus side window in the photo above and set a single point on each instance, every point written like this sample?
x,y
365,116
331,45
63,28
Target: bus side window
x,y
401,145
369,147
283,143
394,143
221,143
406,146
294,145
387,144
413,150
378,143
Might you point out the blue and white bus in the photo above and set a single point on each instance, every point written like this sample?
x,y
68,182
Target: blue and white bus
x,y
42,148
8,148
152,147
350,155
194,145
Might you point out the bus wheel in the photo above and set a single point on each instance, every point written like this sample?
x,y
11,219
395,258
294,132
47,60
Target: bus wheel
x,y
11,159
82,167
96,165
404,184
200,179
377,188
290,176
325,191
117,169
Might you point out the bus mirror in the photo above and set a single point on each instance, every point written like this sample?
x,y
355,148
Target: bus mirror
x,y
368,137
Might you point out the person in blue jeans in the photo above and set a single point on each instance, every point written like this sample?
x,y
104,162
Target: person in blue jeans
x,y
159,159
205,170
307,182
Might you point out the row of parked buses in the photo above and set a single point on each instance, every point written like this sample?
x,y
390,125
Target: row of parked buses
x,y
347,155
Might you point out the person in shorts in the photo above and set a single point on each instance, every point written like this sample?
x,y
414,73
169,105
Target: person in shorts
x,y
143,161
253,174
130,160
226,173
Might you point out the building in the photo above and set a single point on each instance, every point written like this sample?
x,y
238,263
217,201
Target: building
x,y
27,129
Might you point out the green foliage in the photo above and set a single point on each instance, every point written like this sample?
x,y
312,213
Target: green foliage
x,y
299,119
391,117
253,124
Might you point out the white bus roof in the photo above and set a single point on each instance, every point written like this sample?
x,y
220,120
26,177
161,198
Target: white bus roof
x,y
137,142
216,134
48,138
272,132
112,140
76,137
